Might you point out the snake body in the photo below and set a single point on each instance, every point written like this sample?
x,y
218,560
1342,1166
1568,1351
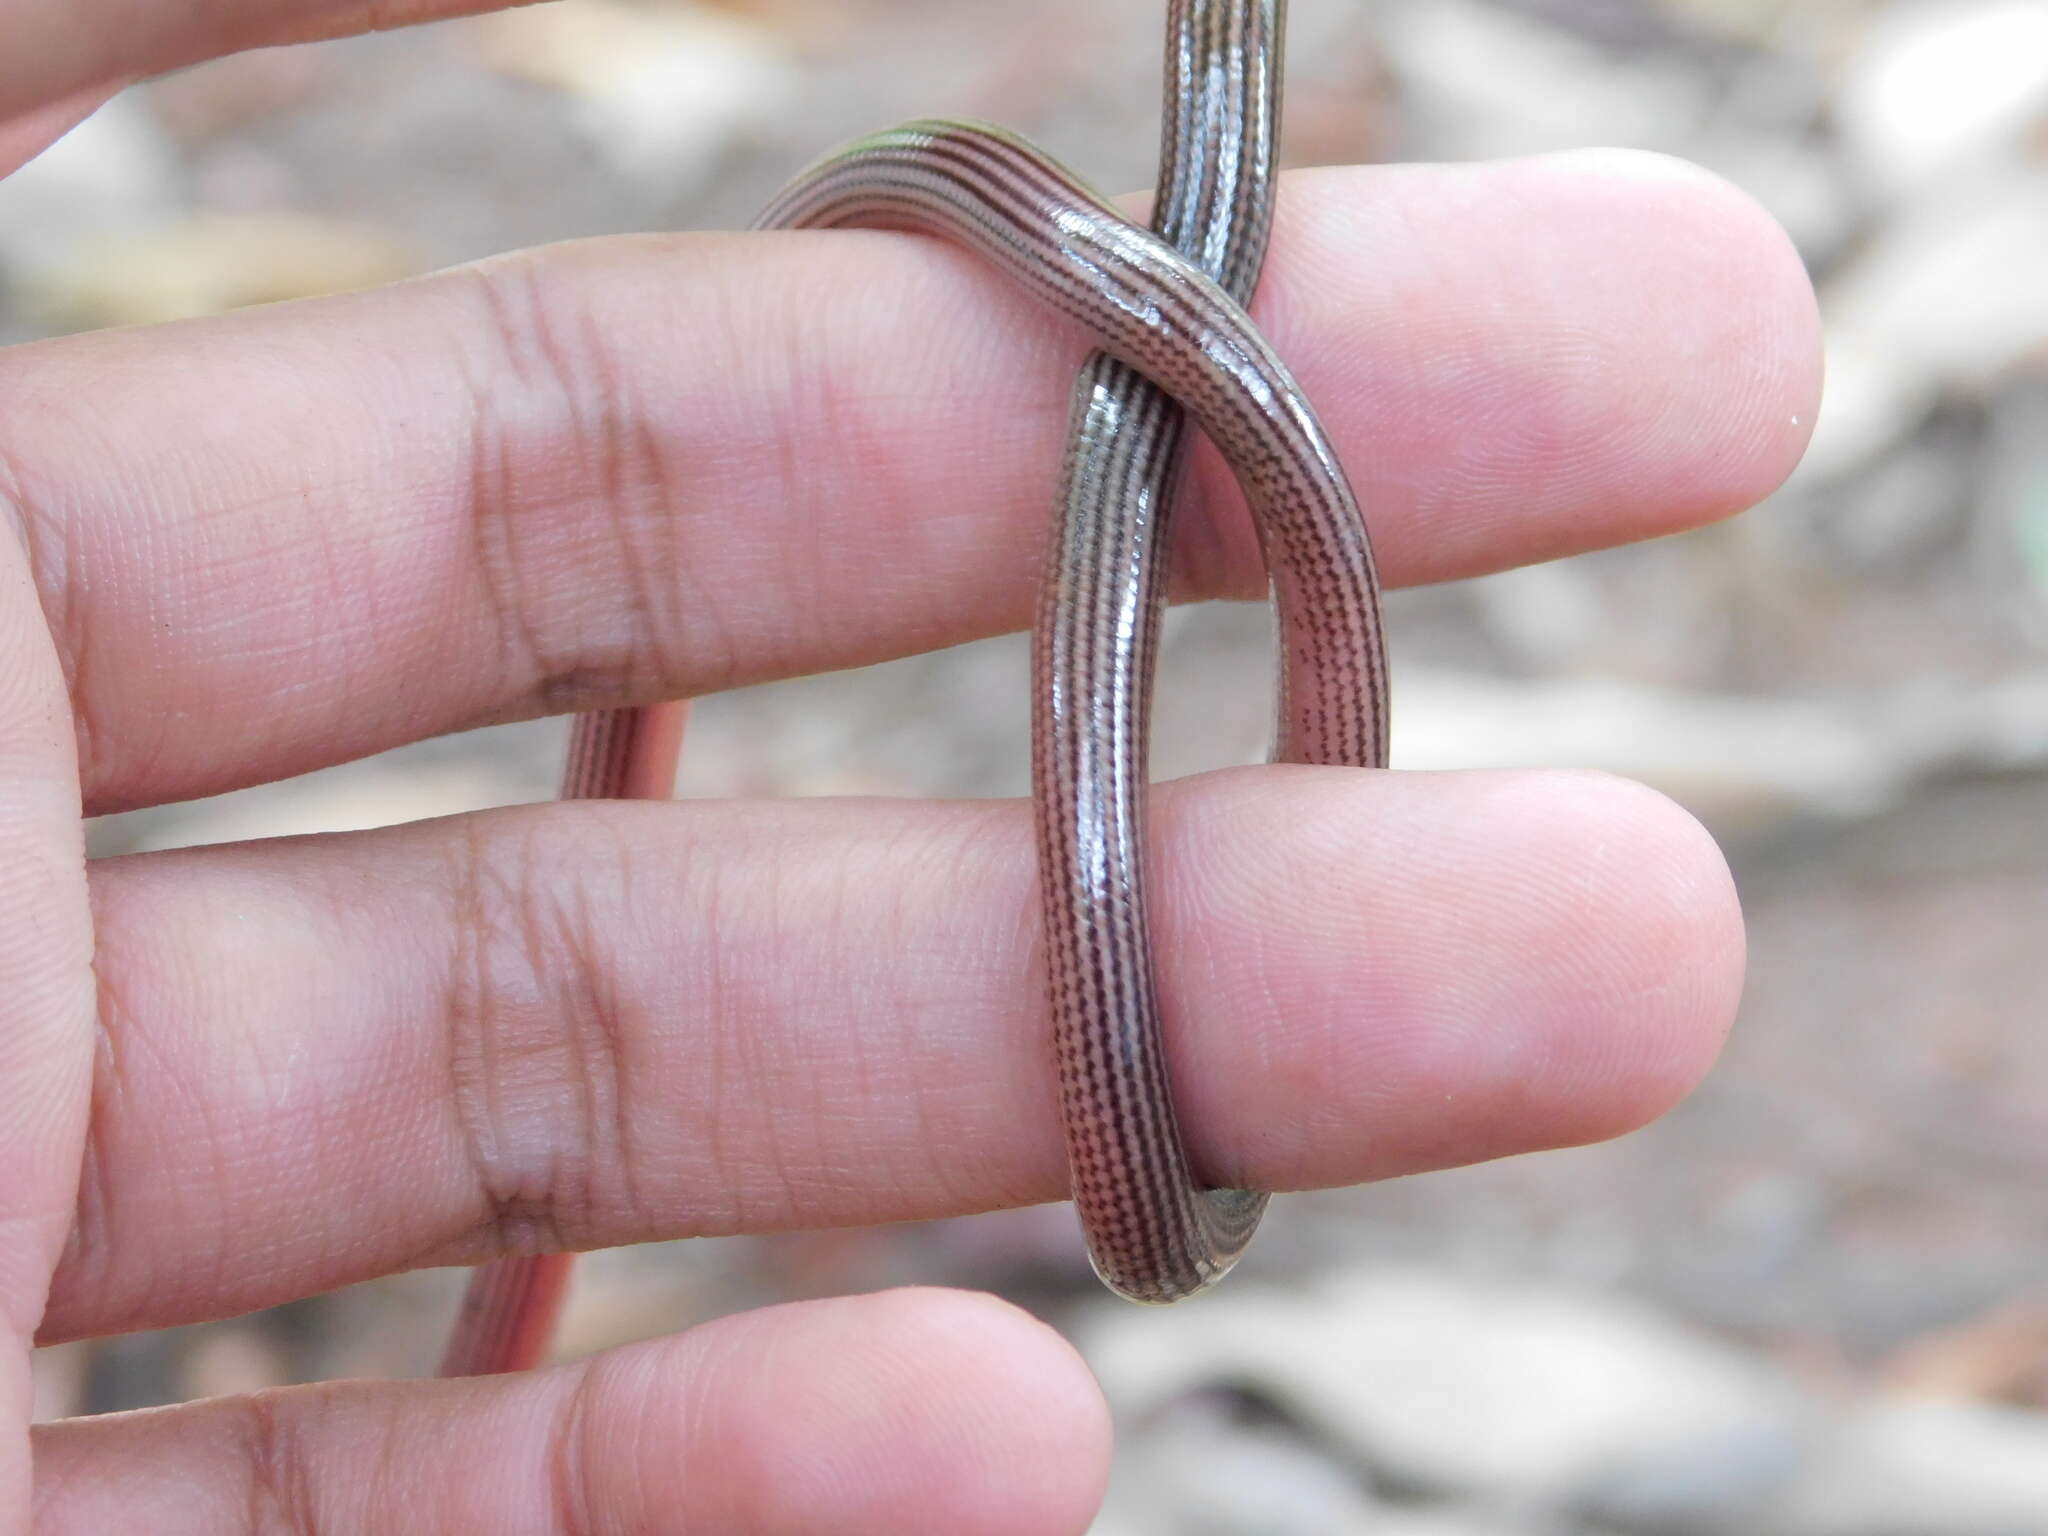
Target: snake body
x,y
1166,310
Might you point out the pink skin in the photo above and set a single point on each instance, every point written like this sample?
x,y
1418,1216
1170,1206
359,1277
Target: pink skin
x,y
280,539
914,1410
23,138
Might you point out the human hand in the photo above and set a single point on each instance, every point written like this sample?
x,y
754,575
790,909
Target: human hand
x,y
256,545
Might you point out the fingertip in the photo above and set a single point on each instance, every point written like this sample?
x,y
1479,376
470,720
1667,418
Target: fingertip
x,y
1556,962
1711,335
904,1410
1586,347
1647,906
915,1410
1618,959
1755,322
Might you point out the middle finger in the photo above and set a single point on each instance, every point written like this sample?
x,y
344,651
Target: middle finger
x,y
330,1058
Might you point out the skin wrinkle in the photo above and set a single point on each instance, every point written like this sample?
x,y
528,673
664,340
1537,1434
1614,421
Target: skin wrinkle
x,y
558,1061
280,1495
129,1045
473,1046
1021,934
22,1234
724,1382
59,596
446,988
796,1115
599,1050
336,656
568,1459
493,514
695,1410
534,325
386,1482
704,899
576,376
636,1155
901,940
87,1249
711,619
1221,1166
711,639
14,506
549,929
839,1094
857,1075
657,560
487,472
803,395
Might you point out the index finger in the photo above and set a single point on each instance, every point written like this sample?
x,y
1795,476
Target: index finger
x,y
604,473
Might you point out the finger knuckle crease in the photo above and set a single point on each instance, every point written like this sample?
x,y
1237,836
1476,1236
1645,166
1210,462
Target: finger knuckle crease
x,y
280,1493
58,578
553,420
569,1460
537,1039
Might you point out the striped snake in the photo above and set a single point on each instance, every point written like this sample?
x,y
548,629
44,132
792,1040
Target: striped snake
x,y
1167,311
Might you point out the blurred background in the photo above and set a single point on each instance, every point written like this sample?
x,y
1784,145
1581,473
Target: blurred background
x,y
1811,1302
